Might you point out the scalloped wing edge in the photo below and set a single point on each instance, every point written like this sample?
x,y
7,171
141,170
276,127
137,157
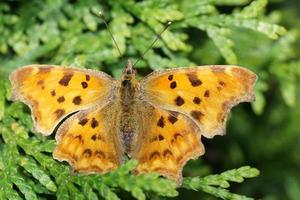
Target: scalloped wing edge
x,y
15,96
249,96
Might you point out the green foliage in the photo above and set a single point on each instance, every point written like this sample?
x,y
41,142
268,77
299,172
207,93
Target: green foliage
x,y
28,170
215,184
239,32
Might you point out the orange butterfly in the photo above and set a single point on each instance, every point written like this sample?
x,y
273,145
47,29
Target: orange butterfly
x,y
158,120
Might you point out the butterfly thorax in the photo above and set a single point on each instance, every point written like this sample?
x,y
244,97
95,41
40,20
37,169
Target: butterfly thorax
x,y
128,91
128,85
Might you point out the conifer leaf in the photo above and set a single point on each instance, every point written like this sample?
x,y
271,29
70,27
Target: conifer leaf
x,y
215,184
192,8
138,193
30,166
106,193
230,2
22,185
223,43
62,193
88,191
254,9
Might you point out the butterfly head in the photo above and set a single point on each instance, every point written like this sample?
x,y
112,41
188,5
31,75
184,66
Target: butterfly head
x,y
128,72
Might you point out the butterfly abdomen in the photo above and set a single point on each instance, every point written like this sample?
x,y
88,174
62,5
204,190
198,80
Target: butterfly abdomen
x,y
127,122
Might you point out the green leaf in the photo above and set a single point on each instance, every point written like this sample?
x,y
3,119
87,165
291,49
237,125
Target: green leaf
x,y
207,183
25,189
62,193
31,166
254,9
223,43
106,193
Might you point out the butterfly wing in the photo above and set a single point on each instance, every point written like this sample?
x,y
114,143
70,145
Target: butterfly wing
x,y
88,140
53,92
204,94
180,105
166,141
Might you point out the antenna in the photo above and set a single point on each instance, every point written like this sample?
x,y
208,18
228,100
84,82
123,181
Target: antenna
x,y
100,14
154,41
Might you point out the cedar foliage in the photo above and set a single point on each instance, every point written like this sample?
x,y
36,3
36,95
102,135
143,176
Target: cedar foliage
x,y
239,32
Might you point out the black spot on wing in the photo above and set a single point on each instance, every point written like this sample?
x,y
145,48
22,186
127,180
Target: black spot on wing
x,y
94,137
206,93
100,154
87,152
176,137
83,121
84,84
79,137
60,99
94,123
173,85
53,93
167,153
161,122
76,100
222,83
196,114
64,81
97,137
197,100
40,82
193,78
160,137
172,119
59,113
154,155
179,101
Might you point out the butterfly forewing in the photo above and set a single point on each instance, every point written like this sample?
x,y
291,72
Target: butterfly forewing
x,y
53,92
205,94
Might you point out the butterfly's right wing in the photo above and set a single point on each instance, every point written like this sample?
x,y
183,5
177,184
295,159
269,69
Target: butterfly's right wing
x,y
87,140
54,92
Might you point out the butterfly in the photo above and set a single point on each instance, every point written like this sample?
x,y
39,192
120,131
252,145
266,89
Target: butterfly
x,y
158,120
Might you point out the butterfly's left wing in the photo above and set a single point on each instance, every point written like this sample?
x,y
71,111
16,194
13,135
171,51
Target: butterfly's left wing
x,y
166,140
178,107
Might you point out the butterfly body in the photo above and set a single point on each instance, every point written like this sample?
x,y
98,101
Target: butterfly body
x,y
127,98
158,120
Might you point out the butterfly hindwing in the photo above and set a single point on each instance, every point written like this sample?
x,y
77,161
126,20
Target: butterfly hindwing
x,y
53,92
205,94
88,140
166,141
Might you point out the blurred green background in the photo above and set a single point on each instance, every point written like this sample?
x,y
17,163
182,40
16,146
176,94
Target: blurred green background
x,y
262,36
